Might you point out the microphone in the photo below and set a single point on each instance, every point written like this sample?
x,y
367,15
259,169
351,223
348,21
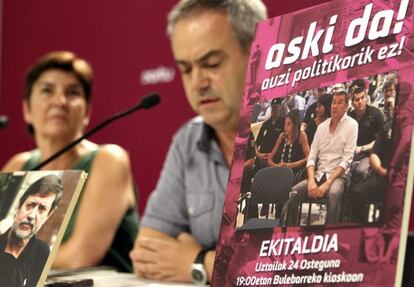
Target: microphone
x,y
146,102
149,101
4,121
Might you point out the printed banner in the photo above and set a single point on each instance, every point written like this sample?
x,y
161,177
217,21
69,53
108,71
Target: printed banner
x,y
321,182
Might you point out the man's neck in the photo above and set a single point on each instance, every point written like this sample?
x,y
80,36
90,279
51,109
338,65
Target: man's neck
x,y
360,114
274,119
226,141
15,245
334,123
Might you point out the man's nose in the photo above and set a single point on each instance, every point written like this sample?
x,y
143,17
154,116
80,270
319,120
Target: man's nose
x,y
32,213
199,79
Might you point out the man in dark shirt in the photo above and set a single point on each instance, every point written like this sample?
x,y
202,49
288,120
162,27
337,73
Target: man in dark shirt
x,y
269,132
374,188
310,113
22,255
248,165
370,121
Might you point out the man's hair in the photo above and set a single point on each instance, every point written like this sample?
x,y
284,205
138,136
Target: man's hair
x,y
357,83
49,184
338,87
344,94
322,89
276,102
358,90
243,15
389,83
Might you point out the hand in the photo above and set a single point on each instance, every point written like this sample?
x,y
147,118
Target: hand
x,y
383,172
392,249
248,163
358,149
271,163
263,156
312,188
165,260
323,189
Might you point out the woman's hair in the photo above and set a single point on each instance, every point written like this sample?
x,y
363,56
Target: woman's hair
x,y
60,60
64,61
294,116
326,102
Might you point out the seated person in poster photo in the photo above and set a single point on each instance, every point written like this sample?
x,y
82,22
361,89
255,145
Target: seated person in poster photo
x,y
323,112
310,106
370,122
258,150
22,255
56,108
387,103
375,186
329,160
291,148
210,42
268,135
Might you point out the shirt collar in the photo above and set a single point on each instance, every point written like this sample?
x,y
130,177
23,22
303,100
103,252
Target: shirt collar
x,y
344,117
208,144
206,136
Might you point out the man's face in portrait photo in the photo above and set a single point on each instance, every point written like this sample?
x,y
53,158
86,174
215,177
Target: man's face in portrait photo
x,y
32,214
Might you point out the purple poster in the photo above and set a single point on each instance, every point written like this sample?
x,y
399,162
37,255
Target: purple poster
x,y
321,183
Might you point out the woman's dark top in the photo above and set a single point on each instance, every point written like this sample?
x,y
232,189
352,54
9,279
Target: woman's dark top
x,y
311,130
289,153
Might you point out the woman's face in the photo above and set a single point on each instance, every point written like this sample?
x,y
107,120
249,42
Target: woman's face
x,y
288,126
57,105
320,110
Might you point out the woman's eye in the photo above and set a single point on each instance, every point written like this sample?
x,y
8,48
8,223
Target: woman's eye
x,y
46,90
73,93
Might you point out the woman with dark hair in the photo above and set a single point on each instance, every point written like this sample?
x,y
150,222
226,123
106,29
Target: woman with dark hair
x,y
323,111
56,108
291,148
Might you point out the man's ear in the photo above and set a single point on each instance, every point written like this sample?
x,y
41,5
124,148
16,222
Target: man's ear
x,y
87,116
26,112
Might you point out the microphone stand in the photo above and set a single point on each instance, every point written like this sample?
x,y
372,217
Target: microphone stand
x,y
145,103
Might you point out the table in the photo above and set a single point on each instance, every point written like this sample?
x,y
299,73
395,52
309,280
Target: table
x,y
106,277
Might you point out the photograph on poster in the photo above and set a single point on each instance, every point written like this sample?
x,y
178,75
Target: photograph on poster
x,y
287,134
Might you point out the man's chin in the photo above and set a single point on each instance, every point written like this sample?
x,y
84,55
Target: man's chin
x,y
216,124
23,235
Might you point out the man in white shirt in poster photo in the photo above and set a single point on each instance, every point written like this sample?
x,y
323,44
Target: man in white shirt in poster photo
x,y
329,160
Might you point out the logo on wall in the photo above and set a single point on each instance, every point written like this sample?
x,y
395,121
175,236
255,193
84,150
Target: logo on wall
x,y
157,75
